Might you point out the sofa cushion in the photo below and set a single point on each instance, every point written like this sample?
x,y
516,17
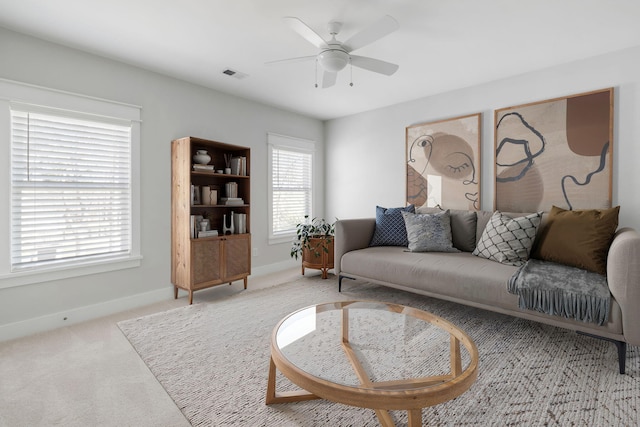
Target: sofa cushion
x,y
578,238
429,232
459,277
463,227
508,240
390,229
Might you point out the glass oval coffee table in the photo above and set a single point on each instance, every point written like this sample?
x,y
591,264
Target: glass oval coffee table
x,y
372,355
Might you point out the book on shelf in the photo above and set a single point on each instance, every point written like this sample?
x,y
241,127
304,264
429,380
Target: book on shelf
x,y
208,233
231,189
194,225
195,195
231,201
239,165
203,167
240,223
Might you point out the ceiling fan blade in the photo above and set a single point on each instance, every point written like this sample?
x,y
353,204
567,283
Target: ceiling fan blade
x,y
381,28
306,32
291,60
328,79
375,65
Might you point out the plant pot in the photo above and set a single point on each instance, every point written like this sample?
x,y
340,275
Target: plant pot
x,y
317,257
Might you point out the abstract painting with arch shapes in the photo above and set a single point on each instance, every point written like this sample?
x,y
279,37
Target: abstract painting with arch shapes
x,y
443,163
555,152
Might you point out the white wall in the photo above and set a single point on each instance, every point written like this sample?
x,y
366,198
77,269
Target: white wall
x,y
170,109
365,161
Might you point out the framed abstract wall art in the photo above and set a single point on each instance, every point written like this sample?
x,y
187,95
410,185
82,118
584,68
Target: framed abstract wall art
x,y
443,163
555,152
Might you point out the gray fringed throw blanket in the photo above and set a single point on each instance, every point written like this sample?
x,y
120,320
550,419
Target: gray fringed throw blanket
x,y
561,290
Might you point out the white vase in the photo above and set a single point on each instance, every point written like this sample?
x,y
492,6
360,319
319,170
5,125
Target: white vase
x,y
202,157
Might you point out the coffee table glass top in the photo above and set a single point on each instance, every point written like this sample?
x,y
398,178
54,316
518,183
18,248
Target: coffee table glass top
x,y
374,346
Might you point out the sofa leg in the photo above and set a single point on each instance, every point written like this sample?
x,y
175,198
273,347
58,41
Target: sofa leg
x,y
620,345
340,281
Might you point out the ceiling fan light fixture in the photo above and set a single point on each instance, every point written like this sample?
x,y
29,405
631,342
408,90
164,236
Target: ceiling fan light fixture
x,y
333,60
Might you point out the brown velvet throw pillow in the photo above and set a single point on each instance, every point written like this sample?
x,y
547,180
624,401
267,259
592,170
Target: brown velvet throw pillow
x,y
579,238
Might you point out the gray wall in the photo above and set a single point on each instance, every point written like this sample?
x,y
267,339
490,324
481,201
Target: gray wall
x,y
366,152
170,109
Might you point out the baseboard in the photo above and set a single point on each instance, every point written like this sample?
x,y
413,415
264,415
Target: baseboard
x,y
49,322
81,314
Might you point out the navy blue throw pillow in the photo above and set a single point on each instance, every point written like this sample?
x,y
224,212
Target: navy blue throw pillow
x,y
390,229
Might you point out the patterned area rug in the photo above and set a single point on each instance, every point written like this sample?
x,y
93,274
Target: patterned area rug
x,y
213,359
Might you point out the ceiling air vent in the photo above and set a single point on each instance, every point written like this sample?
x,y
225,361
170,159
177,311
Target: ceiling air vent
x,y
234,73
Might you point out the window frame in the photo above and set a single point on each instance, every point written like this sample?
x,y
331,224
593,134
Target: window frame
x,y
18,94
283,142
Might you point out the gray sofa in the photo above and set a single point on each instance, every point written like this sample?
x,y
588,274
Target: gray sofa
x,y
468,279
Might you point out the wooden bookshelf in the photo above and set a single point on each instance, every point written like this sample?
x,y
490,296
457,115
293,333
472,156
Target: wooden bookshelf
x,y
200,263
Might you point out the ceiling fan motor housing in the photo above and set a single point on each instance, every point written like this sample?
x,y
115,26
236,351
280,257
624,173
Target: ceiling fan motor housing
x,y
333,60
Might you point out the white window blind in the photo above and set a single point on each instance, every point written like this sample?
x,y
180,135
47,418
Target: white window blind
x,y
70,189
291,189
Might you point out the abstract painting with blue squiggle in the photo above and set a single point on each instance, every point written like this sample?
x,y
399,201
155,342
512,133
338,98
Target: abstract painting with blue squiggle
x,y
556,152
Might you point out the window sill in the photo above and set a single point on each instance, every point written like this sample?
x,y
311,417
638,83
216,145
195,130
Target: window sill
x,y
21,278
281,239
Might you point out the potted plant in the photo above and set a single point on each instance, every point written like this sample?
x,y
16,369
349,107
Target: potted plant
x,y
314,244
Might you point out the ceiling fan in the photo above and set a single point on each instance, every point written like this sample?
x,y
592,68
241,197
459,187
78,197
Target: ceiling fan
x,y
335,55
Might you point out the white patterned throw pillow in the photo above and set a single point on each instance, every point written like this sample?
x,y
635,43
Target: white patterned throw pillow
x,y
508,240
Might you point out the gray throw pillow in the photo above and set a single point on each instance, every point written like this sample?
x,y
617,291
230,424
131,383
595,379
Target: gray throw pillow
x,y
463,227
429,232
508,240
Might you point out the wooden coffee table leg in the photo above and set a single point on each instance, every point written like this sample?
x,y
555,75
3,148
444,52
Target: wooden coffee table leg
x,y
271,383
415,418
385,418
285,396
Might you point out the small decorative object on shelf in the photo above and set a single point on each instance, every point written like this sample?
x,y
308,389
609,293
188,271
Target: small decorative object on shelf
x,y
314,243
202,157
227,224
206,195
227,163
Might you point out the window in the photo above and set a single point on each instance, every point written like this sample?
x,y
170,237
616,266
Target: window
x,y
290,186
70,189
73,185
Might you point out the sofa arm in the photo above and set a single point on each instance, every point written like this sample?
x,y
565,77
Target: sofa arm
x,y
623,276
352,234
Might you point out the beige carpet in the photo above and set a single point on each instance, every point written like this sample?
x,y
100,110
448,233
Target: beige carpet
x,y
212,359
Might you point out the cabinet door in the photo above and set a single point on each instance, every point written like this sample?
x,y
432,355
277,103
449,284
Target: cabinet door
x,y
206,261
237,253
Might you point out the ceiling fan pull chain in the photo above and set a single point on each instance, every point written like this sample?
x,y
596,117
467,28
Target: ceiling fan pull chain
x,y
316,73
351,66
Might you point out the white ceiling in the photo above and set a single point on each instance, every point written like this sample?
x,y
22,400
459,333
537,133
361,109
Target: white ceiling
x,y
441,44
